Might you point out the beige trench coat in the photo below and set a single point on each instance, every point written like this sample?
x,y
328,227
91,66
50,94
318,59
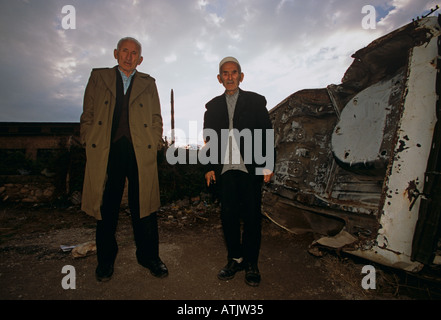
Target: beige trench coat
x,y
145,123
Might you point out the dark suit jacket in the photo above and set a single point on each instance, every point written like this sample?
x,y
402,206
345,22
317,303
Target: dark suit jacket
x,y
250,113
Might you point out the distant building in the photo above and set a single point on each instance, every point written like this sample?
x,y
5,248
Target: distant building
x,y
37,140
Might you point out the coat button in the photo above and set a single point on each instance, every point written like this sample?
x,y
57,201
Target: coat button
x,y
93,145
106,102
145,125
141,105
100,122
149,146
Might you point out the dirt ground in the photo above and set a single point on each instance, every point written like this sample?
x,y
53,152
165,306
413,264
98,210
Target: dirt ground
x,y
191,245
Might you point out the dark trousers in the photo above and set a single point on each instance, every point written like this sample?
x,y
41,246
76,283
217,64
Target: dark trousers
x,y
241,197
121,165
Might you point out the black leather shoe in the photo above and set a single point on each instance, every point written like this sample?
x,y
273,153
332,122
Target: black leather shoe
x,y
252,275
104,272
230,270
157,268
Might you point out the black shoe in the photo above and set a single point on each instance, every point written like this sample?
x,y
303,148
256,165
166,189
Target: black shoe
x,y
252,275
230,270
157,268
104,272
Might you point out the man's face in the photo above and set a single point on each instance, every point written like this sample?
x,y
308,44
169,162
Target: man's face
x,y
128,56
230,77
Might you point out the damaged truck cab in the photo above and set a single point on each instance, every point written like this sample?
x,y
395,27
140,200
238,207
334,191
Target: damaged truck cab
x,y
359,163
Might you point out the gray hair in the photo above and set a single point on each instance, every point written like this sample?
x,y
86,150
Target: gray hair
x,y
138,44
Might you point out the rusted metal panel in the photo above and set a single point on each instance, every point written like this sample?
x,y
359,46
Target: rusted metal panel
x,y
353,157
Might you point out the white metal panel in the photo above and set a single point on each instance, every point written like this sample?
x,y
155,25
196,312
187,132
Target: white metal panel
x,y
358,136
398,218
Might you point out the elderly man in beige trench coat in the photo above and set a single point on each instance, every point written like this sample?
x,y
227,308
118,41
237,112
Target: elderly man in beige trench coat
x,y
121,129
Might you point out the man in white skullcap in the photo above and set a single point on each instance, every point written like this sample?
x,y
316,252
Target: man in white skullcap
x,y
236,172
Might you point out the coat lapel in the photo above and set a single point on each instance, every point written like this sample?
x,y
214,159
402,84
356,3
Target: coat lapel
x,y
223,111
110,80
139,84
238,110
240,101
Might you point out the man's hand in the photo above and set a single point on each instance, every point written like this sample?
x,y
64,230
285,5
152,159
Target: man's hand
x,y
267,175
210,177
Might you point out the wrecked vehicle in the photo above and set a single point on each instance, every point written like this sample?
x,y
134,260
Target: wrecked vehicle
x,y
359,163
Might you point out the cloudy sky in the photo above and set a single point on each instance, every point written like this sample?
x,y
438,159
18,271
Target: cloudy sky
x,y
283,46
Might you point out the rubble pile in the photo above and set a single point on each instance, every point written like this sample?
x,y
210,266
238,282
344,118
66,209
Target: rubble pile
x,y
30,192
189,211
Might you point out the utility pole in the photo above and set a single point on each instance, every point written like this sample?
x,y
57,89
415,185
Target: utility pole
x,y
172,101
